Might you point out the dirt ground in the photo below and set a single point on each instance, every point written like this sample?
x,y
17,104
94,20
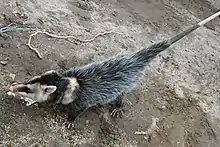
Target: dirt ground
x,y
176,104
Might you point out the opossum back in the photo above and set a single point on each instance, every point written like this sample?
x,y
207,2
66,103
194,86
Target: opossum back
x,y
102,82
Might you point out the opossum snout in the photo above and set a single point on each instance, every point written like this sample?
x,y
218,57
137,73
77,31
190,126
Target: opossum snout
x,y
11,88
17,88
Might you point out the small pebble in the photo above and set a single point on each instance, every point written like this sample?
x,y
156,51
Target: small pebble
x,y
4,62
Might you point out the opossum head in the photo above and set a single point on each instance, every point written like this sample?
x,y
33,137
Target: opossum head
x,y
40,88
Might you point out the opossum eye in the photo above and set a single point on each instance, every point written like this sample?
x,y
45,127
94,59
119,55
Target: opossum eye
x,y
29,90
24,89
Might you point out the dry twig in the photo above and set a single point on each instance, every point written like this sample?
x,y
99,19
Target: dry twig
x,y
60,37
32,48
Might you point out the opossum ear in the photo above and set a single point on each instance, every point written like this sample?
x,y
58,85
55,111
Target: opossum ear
x,y
50,89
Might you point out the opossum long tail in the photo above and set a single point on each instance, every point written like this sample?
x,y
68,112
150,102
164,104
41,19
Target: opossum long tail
x,y
145,55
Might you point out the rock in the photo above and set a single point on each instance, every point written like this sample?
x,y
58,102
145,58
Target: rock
x,y
3,63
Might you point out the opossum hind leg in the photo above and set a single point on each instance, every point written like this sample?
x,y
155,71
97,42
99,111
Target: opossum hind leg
x,y
117,110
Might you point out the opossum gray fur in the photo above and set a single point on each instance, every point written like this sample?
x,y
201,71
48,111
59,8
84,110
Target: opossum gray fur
x,y
95,84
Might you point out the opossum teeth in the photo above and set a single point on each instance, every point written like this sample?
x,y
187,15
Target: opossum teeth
x,y
28,101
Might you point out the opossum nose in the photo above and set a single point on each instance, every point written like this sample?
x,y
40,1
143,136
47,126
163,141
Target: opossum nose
x,y
12,88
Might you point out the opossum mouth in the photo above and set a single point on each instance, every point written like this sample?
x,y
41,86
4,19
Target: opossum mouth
x,y
28,101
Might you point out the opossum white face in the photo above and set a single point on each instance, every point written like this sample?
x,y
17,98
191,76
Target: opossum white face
x,y
39,88
36,91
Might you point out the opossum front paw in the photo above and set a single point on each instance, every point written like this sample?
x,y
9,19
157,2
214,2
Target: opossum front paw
x,y
117,112
68,124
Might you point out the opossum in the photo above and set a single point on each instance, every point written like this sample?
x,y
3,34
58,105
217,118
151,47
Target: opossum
x,y
96,84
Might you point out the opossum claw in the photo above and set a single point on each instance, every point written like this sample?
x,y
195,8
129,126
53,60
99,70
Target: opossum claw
x,y
117,112
68,124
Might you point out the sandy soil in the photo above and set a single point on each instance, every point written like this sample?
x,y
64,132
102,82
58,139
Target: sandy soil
x,y
176,104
